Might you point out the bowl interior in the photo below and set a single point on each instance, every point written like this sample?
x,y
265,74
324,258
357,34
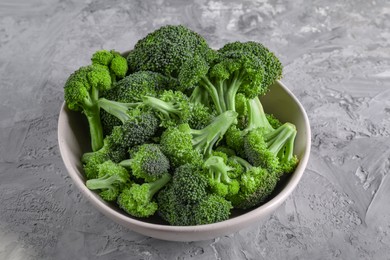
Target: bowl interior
x,y
73,137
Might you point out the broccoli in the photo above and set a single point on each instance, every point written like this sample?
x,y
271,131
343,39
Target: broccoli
x,y
273,69
231,73
186,201
167,50
172,210
131,90
116,64
139,128
189,184
110,180
272,150
148,163
218,178
182,144
137,200
109,151
172,107
212,209
256,185
176,201
256,118
273,121
81,93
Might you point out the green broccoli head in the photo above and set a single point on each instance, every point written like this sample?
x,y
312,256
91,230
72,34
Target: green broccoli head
x,y
172,210
167,49
131,89
81,93
177,146
218,177
256,186
189,184
116,64
110,180
139,127
137,200
272,150
272,66
148,162
212,209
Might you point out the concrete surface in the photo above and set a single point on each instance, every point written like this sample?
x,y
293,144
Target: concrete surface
x,y
337,62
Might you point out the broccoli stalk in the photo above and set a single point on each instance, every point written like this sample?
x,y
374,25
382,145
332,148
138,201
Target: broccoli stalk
x,y
118,109
172,107
138,199
81,93
219,180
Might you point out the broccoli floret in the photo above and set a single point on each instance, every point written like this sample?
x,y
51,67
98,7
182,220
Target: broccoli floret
x,y
131,89
176,202
113,60
189,184
173,211
182,144
272,67
273,121
256,118
137,200
218,177
231,73
81,93
174,107
138,128
167,50
200,116
148,162
272,150
256,185
109,151
212,209
110,180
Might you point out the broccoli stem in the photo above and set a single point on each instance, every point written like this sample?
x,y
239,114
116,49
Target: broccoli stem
x,y
158,184
283,137
165,108
218,169
241,161
117,109
96,131
210,88
232,91
199,96
203,140
126,163
256,116
101,183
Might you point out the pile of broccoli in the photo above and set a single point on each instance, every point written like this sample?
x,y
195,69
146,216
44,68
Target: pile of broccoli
x,y
178,130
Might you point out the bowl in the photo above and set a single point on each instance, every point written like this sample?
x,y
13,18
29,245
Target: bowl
x,y
73,138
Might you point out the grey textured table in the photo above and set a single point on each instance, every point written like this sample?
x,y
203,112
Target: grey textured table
x,y
337,62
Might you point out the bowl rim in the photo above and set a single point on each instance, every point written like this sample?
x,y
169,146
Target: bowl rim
x,y
248,217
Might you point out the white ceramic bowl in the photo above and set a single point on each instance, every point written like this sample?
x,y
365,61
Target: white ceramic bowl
x,y
74,141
